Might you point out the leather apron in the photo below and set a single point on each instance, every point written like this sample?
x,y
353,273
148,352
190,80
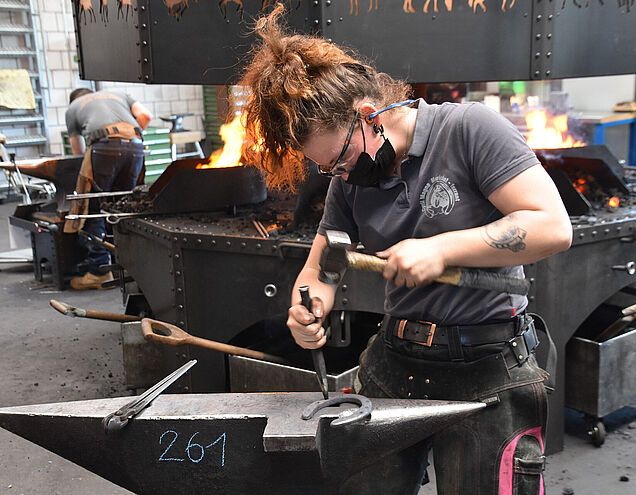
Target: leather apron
x,y
123,130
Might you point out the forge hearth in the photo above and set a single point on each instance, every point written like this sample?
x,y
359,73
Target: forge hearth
x,y
184,187
589,179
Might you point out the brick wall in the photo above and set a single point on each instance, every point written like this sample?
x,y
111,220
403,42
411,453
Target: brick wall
x,y
61,75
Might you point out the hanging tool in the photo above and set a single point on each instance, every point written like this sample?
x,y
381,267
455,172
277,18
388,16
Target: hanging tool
x,y
68,310
165,333
112,218
337,257
316,354
117,420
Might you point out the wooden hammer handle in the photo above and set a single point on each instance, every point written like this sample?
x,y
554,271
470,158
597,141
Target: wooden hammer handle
x,y
365,262
452,275
370,263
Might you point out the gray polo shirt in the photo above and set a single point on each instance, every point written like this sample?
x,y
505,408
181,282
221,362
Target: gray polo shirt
x,y
97,110
460,154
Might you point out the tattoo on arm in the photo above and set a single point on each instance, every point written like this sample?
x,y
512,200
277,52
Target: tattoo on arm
x,y
505,234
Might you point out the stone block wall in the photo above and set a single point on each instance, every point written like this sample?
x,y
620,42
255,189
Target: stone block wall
x,y
60,75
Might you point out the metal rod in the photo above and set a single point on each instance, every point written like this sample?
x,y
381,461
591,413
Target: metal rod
x,y
17,170
105,194
260,228
103,215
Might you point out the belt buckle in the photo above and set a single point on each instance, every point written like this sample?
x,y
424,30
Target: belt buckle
x,y
429,337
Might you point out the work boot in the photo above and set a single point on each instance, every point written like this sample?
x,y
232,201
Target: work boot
x,y
90,281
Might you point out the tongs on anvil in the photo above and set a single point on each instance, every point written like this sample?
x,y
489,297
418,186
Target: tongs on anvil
x,y
117,420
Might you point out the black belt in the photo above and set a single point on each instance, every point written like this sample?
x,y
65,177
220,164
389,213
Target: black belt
x,y
427,333
117,140
104,133
518,333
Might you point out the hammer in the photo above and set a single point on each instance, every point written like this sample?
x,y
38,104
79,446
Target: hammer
x,y
336,258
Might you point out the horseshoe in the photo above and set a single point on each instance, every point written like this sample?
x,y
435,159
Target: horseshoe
x,y
346,417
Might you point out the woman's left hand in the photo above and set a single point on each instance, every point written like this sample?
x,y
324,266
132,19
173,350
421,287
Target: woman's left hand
x,y
413,262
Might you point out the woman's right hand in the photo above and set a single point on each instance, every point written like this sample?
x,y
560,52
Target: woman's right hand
x,y
306,328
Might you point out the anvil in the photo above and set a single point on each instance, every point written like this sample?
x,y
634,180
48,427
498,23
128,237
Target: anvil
x,y
229,443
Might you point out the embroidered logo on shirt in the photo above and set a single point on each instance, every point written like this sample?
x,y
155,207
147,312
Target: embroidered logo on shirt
x,y
438,197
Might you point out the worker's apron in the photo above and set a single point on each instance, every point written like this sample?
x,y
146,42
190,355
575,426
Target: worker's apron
x,y
123,130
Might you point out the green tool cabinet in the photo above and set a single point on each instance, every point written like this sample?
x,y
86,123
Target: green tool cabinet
x,y
157,152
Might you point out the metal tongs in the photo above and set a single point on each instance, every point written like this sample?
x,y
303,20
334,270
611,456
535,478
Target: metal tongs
x,y
117,420
112,218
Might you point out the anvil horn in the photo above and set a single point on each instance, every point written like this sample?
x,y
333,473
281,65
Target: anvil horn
x,y
393,427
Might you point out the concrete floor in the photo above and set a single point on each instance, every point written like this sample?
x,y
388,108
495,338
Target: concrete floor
x,y
47,357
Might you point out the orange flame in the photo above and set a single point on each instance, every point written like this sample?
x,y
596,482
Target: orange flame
x,y
547,134
614,202
580,185
233,136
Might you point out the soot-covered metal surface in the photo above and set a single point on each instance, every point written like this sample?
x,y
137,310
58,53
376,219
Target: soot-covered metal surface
x,y
190,42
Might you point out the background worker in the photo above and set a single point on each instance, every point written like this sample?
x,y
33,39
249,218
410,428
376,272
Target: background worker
x,y
112,123
425,187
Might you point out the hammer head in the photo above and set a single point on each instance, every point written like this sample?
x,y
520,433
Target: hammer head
x,y
333,261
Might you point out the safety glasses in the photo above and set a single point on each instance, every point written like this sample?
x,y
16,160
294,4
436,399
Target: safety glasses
x,y
338,168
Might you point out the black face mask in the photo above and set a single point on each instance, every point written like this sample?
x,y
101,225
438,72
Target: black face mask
x,y
367,172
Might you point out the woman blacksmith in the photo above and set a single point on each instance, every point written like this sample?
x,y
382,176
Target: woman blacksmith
x,y
425,187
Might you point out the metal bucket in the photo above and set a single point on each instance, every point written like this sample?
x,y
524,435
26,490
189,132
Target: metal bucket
x,y
599,376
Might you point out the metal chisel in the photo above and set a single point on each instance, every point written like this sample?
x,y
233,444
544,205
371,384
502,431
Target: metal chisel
x,y
316,354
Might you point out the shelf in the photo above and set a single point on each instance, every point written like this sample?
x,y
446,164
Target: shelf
x,y
21,119
30,140
14,29
17,52
14,5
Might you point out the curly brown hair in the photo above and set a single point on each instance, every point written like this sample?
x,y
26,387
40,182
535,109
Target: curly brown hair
x,y
301,84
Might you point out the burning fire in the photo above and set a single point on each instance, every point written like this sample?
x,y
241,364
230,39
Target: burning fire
x,y
547,133
233,136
